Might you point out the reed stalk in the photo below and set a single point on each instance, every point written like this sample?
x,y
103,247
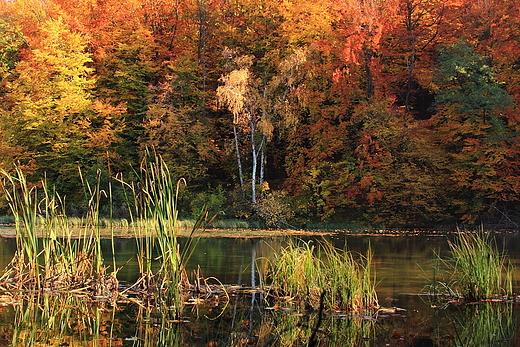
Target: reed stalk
x,y
143,235
93,195
160,193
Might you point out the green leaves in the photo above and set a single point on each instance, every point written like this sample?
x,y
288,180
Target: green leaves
x,y
465,80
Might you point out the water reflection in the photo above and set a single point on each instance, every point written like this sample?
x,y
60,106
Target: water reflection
x,y
403,267
62,320
403,264
484,324
68,320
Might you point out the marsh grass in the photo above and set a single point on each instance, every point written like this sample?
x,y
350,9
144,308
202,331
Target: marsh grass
x,y
153,201
479,270
121,224
303,270
48,257
103,222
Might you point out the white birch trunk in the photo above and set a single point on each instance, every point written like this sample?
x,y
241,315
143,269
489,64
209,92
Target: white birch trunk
x,y
255,160
262,160
239,160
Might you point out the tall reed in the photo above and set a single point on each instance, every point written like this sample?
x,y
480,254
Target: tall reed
x,y
48,256
480,271
153,202
160,195
23,202
303,271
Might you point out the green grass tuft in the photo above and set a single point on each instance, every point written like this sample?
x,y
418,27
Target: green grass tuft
x,y
304,270
480,271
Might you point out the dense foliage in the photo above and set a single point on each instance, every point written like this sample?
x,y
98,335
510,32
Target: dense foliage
x,y
401,112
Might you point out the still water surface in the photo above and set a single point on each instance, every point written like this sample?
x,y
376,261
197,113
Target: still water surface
x,y
403,268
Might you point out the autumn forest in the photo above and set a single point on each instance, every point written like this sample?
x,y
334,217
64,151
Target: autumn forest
x,y
391,112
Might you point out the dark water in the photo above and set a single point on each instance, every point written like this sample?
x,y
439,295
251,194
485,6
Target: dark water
x,y
403,265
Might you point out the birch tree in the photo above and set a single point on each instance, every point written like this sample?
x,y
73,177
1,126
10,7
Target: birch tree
x,y
240,99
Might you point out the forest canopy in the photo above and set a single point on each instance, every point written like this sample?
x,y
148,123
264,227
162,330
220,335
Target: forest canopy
x,y
392,112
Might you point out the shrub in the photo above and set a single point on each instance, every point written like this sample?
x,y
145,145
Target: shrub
x,y
275,209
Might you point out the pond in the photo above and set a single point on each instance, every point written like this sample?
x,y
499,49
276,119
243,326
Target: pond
x,y
404,266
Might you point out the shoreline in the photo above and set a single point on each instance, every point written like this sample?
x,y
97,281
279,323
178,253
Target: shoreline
x,y
128,232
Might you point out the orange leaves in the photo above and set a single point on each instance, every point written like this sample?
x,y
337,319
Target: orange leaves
x,y
338,93
363,23
107,123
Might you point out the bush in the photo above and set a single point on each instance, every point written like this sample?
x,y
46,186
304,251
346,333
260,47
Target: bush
x,y
275,209
213,201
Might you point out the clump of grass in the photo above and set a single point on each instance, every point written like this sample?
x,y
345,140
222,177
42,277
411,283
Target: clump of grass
x,y
6,220
154,218
350,279
55,253
48,257
103,222
480,271
304,271
297,271
231,224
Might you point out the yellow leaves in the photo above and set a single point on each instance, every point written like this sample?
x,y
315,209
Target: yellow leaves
x,y
308,20
266,127
106,118
54,80
290,65
234,94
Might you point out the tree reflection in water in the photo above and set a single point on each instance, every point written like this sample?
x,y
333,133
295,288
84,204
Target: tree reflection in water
x,y
64,319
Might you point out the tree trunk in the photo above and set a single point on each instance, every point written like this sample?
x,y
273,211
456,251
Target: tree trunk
x,y
239,160
255,160
262,159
